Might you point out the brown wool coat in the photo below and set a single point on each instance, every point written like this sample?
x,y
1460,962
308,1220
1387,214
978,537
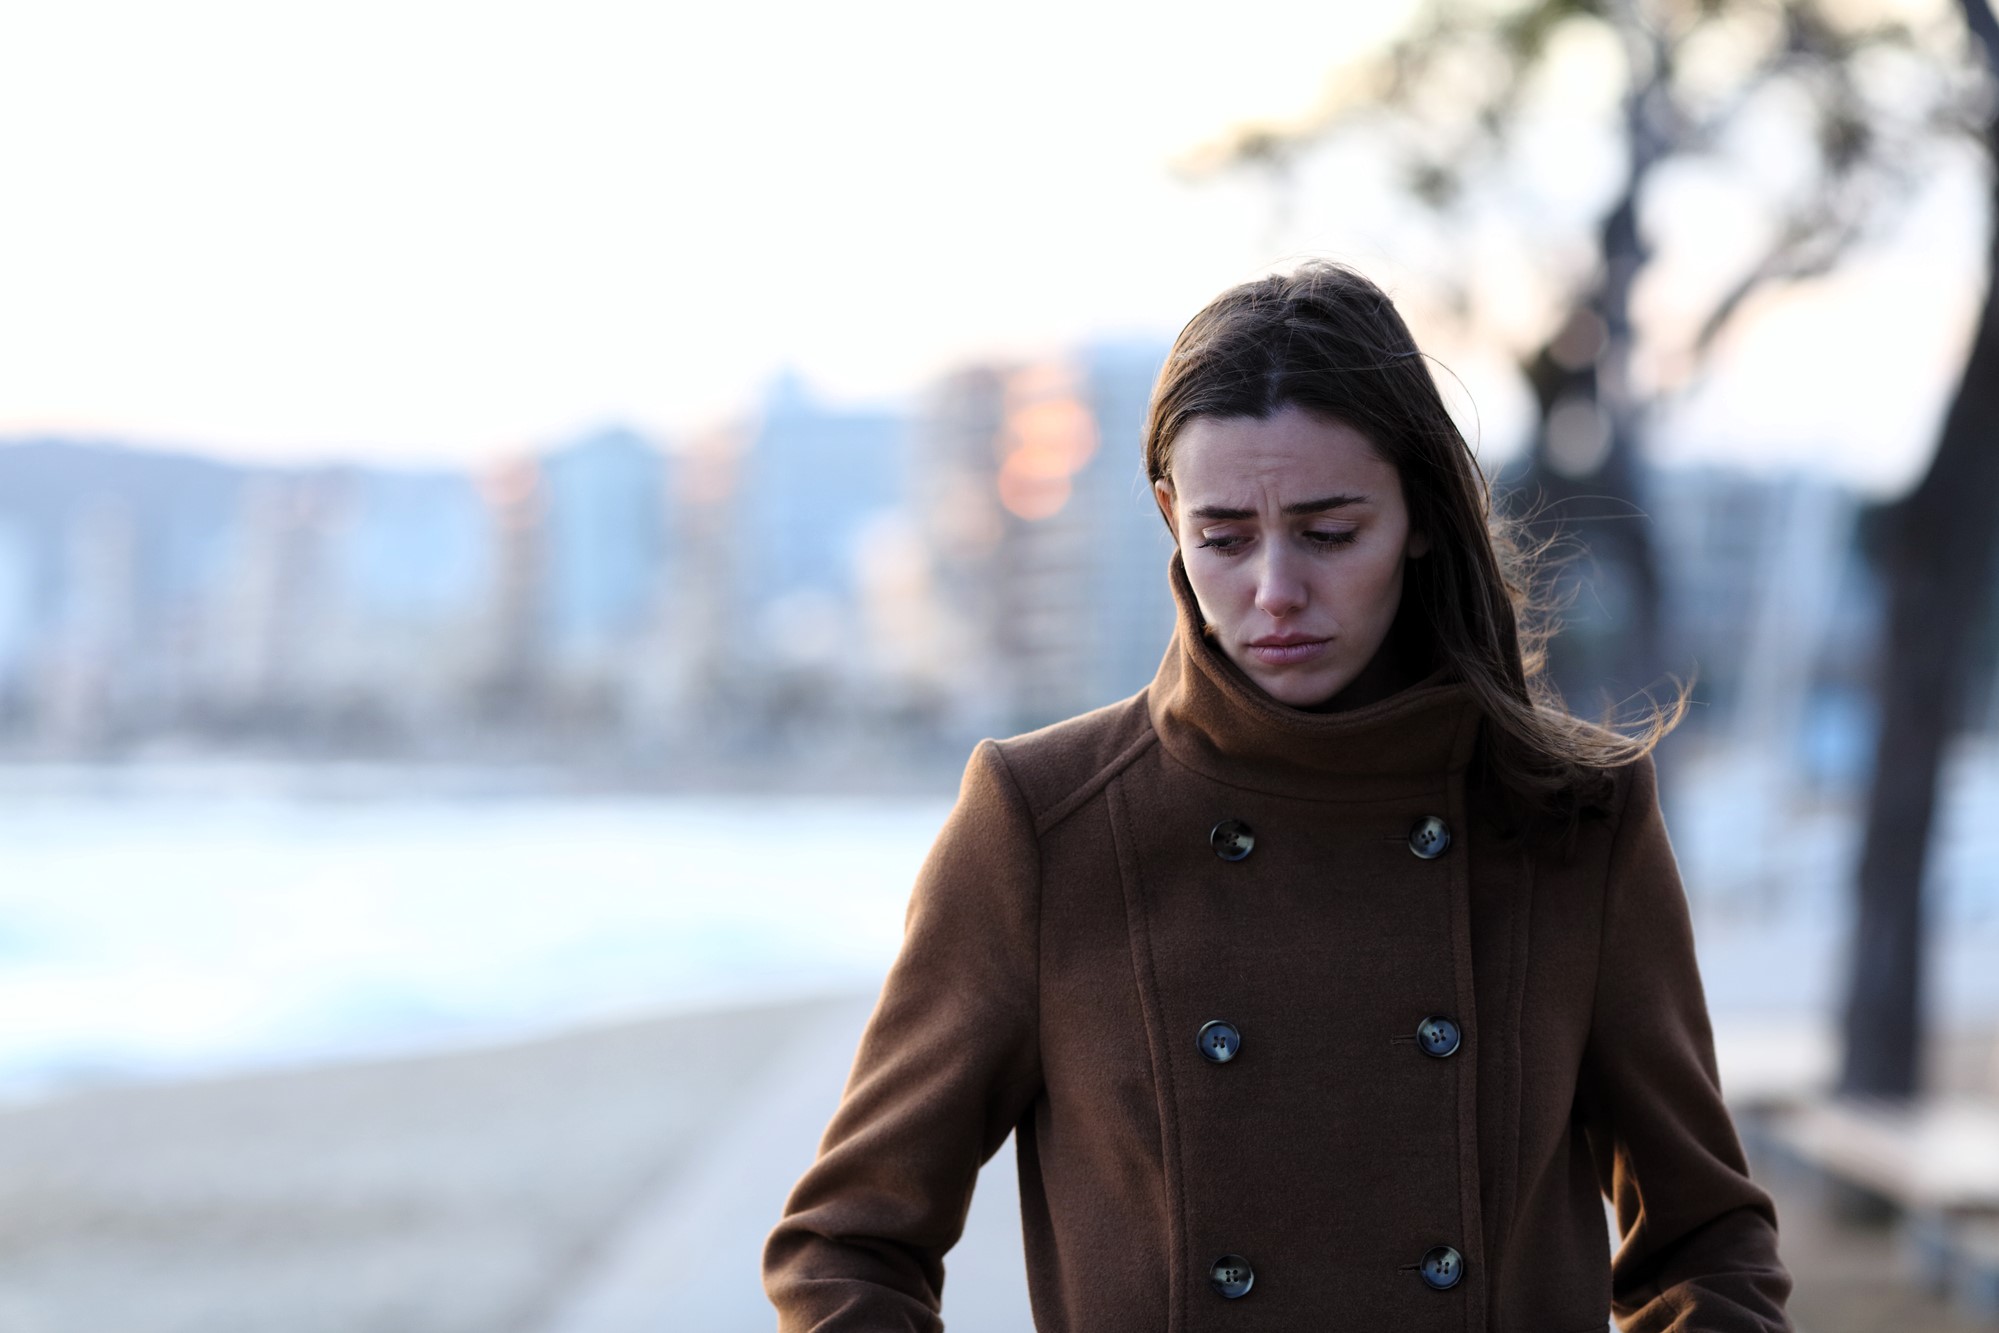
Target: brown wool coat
x,y
1073,930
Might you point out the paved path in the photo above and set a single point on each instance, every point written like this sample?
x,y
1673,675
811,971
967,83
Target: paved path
x,y
689,1258
457,1193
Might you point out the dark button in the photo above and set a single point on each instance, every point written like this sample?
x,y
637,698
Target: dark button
x,y
1231,1275
1442,1267
1429,837
1220,1041
1438,1036
1231,839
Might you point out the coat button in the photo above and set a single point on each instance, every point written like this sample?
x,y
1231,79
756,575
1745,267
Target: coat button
x,y
1220,1041
1231,1275
1429,837
1442,1268
1438,1036
1231,839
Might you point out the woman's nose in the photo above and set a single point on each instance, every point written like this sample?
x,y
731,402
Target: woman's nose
x,y
1279,589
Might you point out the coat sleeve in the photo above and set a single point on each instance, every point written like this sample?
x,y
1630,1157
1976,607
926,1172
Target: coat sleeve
x,y
1699,1251
948,1064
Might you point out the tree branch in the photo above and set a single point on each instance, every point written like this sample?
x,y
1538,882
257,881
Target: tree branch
x,y
1803,252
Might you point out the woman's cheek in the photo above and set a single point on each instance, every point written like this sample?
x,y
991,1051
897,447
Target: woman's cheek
x,y
1389,597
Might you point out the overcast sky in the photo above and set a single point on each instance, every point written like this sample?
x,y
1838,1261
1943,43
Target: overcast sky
x,y
429,231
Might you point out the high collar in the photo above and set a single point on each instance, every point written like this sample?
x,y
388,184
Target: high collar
x,y
1217,721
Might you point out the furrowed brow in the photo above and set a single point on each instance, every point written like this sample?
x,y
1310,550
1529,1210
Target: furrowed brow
x,y
1318,506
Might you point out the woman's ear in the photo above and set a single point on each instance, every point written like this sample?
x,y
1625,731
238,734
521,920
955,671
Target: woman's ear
x,y
1162,495
1419,544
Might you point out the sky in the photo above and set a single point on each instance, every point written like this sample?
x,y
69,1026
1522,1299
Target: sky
x,y
429,232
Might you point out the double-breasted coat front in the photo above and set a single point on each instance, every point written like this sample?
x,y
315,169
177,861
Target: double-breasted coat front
x,y
1290,1037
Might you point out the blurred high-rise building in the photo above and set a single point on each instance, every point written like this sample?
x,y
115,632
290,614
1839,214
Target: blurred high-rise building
x,y
272,635
1135,604
511,686
410,558
111,557
606,513
16,626
1085,612
621,654
1049,553
813,484
954,496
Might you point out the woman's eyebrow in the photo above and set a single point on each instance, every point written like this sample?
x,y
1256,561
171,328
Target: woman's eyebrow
x,y
1318,506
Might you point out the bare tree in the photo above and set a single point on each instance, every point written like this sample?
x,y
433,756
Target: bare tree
x,y
1451,96
1938,553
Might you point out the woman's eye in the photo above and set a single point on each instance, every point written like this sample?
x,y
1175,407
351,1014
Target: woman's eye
x,y
1233,544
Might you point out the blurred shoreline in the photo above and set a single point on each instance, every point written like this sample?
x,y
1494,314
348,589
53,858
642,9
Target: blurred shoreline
x,y
813,770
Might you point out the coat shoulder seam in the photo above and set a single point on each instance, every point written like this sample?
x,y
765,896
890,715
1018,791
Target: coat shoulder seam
x,y
1095,783
1040,870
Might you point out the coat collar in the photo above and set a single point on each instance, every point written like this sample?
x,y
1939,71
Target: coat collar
x,y
1211,717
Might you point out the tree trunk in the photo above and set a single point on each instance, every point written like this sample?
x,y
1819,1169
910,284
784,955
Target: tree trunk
x,y
1609,594
1939,558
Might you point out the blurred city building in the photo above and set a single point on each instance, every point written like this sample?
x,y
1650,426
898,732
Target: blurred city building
x,y
1048,556
809,580
1771,600
811,491
1084,607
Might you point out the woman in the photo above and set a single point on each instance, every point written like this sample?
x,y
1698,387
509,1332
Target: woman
x,y
1327,980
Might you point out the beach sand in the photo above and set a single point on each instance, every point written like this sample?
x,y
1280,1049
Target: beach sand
x,y
616,1178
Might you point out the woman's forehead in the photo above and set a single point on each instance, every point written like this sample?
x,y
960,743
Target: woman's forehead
x,y
1297,456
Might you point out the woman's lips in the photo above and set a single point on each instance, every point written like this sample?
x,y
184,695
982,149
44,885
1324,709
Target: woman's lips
x,y
1284,654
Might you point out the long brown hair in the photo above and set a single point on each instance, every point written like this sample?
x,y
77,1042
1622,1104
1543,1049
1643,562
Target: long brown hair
x,y
1329,341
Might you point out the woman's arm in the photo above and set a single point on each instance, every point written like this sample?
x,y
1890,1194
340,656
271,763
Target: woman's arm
x,y
949,1062
1700,1240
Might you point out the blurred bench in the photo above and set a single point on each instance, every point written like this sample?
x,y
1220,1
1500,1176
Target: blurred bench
x,y
1933,1163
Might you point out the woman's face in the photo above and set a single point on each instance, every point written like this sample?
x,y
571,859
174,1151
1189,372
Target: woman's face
x,y
1294,532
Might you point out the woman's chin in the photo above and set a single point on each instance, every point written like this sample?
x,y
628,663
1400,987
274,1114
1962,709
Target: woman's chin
x,y
1300,689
